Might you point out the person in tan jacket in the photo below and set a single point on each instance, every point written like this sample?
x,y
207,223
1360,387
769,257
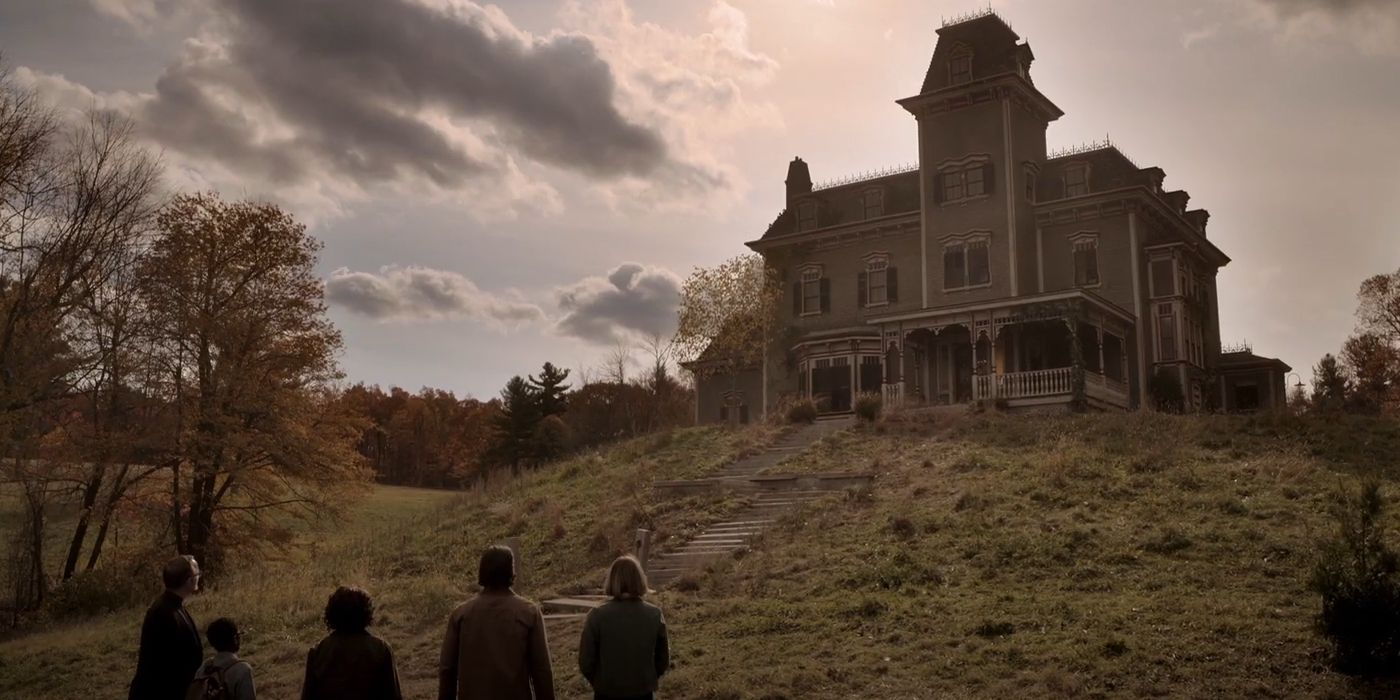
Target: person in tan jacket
x,y
495,647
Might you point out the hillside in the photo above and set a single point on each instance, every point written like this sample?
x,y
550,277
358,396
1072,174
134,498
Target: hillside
x,y
1097,556
415,551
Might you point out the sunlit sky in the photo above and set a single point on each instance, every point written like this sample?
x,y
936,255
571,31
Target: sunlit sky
x,y
501,185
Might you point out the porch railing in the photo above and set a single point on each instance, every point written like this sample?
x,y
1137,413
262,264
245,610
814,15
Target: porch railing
x,y
893,394
1041,382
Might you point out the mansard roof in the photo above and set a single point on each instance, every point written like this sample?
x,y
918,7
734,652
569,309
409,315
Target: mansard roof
x,y
845,203
991,41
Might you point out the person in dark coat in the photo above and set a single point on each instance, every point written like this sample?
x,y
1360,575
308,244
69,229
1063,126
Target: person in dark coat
x,y
624,651
350,663
495,646
171,651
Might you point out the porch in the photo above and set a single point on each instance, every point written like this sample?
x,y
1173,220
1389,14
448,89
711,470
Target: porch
x,y
1022,354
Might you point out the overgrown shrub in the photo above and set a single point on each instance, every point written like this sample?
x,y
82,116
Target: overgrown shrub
x,y
802,411
1166,392
868,406
553,438
1356,575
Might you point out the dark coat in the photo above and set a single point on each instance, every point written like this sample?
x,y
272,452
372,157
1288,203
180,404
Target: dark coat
x,y
351,666
624,649
171,651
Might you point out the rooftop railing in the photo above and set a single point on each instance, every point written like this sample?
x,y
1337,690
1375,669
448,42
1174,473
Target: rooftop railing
x,y
868,175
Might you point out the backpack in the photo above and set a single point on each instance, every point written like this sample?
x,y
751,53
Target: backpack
x,y
209,684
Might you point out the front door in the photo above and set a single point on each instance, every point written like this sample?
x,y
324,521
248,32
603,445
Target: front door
x,y
962,373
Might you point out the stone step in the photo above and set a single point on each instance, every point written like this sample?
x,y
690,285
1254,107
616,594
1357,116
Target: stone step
x,y
755,521
556,617
724,536
575,605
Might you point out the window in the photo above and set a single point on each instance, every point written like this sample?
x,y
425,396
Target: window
x,y
966,265
1163,281
806,216
871,373
874,200
960,67
1030,184
973,178
877,282
1076,180
961,182
953,186
1166,336
1086,263
811,292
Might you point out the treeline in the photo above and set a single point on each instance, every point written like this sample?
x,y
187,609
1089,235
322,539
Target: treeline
x,y
1364,377
432,438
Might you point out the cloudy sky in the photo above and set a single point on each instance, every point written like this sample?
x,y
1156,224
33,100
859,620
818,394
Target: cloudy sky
x,y
501,185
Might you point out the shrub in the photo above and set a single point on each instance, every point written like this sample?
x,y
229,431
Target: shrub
x,y
802,411
868,406
1355,574
553,438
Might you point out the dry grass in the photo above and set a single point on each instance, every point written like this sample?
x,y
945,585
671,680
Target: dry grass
x,y
415,551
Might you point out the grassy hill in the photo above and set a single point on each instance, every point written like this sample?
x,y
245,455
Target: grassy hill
x,y
1053,556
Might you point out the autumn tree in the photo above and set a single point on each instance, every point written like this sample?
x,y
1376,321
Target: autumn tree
x,y
1374,365
727,316
249,359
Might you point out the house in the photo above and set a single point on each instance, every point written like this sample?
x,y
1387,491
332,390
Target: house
x,y
992,270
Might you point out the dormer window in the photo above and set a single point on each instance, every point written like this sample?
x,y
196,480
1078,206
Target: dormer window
x,y
960,67
1077,180
874,201
806,216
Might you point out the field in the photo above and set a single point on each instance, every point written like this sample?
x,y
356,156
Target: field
x,y
1057,556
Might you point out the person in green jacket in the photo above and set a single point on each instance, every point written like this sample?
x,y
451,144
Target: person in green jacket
x,y
624,650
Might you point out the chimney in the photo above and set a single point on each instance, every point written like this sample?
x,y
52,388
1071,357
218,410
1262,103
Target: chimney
x,y
799,179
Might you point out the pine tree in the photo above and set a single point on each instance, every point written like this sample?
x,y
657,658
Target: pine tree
x,y
549,390
1330,384
515,424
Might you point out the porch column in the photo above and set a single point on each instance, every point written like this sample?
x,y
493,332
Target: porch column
x,y
993,361
1098,334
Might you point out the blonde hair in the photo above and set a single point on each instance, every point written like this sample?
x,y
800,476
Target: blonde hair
x,y
625,580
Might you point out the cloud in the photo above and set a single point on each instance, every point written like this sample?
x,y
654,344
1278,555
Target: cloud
x,y
632,300
698,89
1372,25
1200,34
425,294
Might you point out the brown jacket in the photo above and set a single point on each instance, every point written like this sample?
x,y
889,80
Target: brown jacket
x,y
495,649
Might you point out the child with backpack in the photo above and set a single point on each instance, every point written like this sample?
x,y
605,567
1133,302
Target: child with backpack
x,y
225,676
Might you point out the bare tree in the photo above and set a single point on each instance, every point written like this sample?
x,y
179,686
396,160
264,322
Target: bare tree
x,y
74,205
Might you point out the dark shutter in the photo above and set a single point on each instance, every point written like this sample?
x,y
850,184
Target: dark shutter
x,y
987,178
862,287
796,298
938,188
826,294
891,285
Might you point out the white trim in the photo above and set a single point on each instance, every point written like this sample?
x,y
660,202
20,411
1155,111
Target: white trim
x,y
977,234
963,162
924,214
1137,303
1040,260
1010,178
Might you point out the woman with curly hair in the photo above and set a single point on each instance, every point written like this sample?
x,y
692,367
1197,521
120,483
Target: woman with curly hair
x,y
350,663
